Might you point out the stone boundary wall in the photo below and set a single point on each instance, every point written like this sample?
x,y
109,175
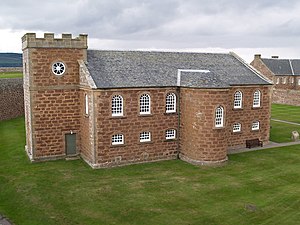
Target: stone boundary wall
x,y
11,69
11,98
285,96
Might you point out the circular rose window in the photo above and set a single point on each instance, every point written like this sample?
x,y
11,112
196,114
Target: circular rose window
x,y
58,68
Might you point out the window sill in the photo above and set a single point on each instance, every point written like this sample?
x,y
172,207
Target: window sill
x,y
145,115
170,113
171,140
86,115
237,109
255,130
119,145
118,117
219,128
259,107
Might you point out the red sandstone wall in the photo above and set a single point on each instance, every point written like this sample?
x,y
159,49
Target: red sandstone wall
x,y
131,124
55,102
247,115
200,141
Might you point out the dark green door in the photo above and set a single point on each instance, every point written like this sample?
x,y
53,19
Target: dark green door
x,y
70,144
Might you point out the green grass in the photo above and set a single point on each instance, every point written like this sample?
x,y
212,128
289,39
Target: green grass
x,y
253,188
11,75
282,132
286,112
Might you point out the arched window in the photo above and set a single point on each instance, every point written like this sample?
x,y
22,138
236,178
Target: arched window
x,y
86,104
236,127
145,104
238,98
256,99
219,117
170,103
117,105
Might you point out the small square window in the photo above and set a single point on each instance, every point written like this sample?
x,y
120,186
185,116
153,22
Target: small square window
x,y
145,136
255,125
170,134
117,139
236,127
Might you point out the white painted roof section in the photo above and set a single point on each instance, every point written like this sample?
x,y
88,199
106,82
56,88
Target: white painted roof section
x,y
188,71
291,67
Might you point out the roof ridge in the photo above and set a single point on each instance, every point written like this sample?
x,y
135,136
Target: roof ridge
x,y
158,51
255,71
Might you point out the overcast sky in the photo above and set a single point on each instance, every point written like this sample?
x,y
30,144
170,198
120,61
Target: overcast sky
x,y
269,27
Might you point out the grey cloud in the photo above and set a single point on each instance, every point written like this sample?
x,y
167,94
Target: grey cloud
x,y
181,23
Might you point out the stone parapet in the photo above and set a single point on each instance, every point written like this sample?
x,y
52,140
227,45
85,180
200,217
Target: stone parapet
x,y
30,40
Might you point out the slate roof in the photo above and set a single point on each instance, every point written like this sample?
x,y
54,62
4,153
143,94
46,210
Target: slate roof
x,y
283,66
121,69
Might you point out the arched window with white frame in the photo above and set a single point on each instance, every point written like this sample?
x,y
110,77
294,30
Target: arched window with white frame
x,y
145,104
238,98
256,98
117,105
170,103
219,117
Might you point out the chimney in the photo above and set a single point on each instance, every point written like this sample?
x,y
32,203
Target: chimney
x,y
275,56
257,56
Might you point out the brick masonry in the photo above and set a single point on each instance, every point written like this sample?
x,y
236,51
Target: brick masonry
x,y
11,98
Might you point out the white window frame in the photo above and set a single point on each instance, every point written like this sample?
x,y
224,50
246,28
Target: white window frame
x,y
237,127
170,134
298,81
255,125
145,104
292,80
219,116
277,80
145,136
171,103
117,139
117,105
238,100
86,105
256,99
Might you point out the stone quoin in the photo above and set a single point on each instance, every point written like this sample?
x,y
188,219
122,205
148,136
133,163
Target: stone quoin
x,y
116,108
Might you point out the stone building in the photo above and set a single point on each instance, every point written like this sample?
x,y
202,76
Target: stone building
x,y
285,74
123,107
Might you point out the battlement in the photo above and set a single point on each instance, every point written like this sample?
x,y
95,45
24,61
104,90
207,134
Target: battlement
x,y
30,40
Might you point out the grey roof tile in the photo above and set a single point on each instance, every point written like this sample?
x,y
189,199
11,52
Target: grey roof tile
x,y
119,69
278,66
296,66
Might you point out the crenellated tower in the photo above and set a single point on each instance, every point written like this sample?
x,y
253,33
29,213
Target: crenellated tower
x,y
51,93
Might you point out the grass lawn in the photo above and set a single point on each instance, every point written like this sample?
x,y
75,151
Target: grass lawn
x,y
253,188
282,132
286,112
11,75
